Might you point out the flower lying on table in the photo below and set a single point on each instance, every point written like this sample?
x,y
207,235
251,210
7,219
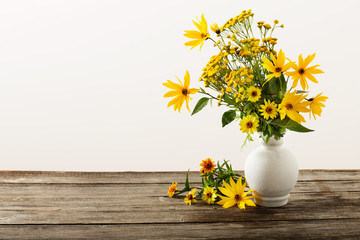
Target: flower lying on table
x,y
218,186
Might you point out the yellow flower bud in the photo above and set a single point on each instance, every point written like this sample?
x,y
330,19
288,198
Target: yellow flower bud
x,y
272,42
276,21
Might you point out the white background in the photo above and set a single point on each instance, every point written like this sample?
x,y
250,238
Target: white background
x,y
81,84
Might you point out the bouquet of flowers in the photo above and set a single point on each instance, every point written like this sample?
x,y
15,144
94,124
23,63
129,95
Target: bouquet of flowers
x,y
259,85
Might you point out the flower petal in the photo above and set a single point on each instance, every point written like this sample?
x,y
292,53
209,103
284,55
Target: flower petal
x,y
229,203
187,80
172,93
172,85
193,90
308,60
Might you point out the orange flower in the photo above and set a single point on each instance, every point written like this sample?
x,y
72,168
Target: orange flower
x,y
172,189
207,166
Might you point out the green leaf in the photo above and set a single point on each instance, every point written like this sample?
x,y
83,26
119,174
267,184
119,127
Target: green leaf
x,y
187,184
298,127
281,123
291,125
200,105
248,108
228,117
228,100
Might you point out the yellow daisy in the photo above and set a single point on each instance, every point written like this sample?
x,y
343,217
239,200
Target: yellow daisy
x,y
302,72
234,194
277,67
253,93
190,197
249,124
180,92
316,105
172,189
269,110
207,166
215,28
209,195
291,105
199,36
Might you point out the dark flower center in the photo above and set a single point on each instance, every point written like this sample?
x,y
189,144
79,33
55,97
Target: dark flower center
x,y
217,31
209,194
237,197
301,71
184,92
254,93
269,110
278,69
204,35
289,106
249,124
190,196
208,165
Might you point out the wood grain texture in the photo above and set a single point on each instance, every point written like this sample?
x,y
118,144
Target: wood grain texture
x,y
325,204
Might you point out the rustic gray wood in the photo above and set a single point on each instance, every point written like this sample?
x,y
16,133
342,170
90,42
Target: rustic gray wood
x,y
325,204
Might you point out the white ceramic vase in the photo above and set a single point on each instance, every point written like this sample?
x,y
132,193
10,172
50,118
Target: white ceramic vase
x,y
272,171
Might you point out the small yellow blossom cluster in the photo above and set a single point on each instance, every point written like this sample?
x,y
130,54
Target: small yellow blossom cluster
x,y
262,24
232,23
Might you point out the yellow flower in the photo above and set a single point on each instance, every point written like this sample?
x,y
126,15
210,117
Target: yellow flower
x,y
180,92
278,67
209,195
316,105
269,110
199,36
172,189
291,105
207,166
249,124
253,93
190,197
234,194
302,72
215,28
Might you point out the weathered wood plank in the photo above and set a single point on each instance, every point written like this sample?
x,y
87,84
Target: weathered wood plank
x,y
149,177
112,208
271,230
155,190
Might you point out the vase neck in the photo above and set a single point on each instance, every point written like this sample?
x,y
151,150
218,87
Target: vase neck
x,y
272,142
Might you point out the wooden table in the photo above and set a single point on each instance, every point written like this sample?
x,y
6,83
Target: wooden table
x,y
133,205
